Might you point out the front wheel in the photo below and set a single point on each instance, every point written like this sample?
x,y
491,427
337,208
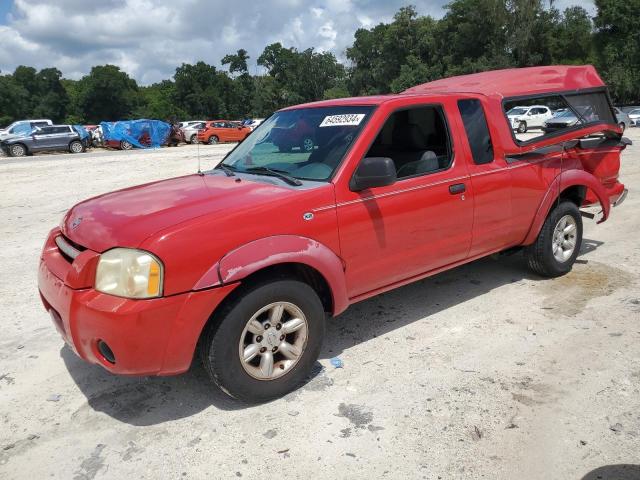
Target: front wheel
x,y
622,126
558,244
263,345
125,145
17,150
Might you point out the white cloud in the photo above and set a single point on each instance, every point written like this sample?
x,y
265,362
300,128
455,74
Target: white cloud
x,y
150,38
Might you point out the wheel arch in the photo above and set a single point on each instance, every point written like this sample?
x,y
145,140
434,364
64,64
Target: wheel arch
x,y
571,185
284,256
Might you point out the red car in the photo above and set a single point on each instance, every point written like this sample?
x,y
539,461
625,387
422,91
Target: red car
x,y
240,266
220,131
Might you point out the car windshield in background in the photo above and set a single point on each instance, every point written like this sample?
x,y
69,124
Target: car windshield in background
x,y
307,143
517,111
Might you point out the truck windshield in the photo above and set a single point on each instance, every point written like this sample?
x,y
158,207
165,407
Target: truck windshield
x,y
306,143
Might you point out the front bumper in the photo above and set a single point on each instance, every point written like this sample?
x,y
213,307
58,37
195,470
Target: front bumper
x,y
147,337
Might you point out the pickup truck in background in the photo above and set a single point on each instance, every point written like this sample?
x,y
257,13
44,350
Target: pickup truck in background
x,y
241,265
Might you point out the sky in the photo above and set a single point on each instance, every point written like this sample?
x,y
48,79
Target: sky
x,y
149,38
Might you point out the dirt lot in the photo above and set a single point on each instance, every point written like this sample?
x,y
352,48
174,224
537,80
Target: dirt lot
x,y
482,372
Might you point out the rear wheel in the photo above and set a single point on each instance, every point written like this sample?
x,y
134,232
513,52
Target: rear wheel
x,y
558,244
194,139
17,150
76,147
125,145
522,127
284,148
264,344
213,140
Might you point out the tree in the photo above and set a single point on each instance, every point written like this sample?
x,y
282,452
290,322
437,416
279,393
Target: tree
x,y
196,90
618,46
299,76
157,102
52,98
238,62
107,94
379,54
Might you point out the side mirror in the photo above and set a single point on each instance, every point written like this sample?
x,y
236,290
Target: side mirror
x,y
373,172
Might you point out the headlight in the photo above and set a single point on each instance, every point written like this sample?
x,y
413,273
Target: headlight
x,y
129,273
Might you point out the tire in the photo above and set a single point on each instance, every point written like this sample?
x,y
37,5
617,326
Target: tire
x,y
194,139
541,256
284,148
522,127
76,147
124,145
223,340
213,140
622,126
17,150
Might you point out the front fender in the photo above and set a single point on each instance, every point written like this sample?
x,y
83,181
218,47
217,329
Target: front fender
x,y
266,252
560,183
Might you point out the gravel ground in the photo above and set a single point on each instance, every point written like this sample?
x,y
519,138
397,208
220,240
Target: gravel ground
x,y
485,371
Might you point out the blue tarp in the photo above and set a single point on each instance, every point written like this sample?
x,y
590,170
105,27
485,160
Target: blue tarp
x,y
81,131
140,133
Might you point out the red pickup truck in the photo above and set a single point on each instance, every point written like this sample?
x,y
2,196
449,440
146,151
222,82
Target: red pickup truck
x,y
242,264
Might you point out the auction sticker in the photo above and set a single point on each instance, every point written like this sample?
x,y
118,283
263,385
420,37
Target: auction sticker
x,y
348,119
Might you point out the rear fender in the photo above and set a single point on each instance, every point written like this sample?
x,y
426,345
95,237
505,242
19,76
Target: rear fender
x,y
266,252
560,183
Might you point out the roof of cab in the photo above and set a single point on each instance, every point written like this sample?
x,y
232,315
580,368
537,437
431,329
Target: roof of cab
x,y
516,82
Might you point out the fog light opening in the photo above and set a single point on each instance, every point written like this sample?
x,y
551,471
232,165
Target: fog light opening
x,y
106,352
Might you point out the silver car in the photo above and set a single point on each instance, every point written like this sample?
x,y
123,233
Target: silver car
x,y
634,115
622,118
191,132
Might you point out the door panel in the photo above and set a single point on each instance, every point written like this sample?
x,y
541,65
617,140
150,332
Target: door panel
x,y
420,223
394,233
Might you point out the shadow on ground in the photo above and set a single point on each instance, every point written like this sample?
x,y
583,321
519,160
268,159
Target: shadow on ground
x,y
614,472
153,400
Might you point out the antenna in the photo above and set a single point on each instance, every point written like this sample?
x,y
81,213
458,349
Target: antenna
x,y
198,147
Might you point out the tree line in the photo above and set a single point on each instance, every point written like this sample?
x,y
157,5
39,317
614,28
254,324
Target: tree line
x,y
472,36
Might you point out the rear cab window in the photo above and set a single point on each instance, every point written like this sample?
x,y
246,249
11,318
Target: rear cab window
x,y
555,114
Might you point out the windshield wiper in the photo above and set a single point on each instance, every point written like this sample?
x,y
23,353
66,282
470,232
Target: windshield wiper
x,y
228,170
275,173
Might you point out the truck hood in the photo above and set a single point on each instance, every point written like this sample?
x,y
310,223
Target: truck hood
x,y
126,218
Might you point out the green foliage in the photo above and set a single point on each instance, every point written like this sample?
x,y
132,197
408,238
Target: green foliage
x,y
618,54
472,36
107,94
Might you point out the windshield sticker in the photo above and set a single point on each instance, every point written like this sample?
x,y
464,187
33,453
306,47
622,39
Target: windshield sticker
x,y
349,119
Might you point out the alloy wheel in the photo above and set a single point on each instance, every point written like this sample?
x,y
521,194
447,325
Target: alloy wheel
x,y
273,341
564,238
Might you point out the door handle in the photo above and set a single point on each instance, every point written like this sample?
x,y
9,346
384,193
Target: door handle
x,y
457,189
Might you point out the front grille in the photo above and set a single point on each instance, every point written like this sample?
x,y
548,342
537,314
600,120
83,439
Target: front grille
x,y
68,249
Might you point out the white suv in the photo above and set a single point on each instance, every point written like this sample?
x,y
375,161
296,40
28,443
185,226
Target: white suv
x,y
526,118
